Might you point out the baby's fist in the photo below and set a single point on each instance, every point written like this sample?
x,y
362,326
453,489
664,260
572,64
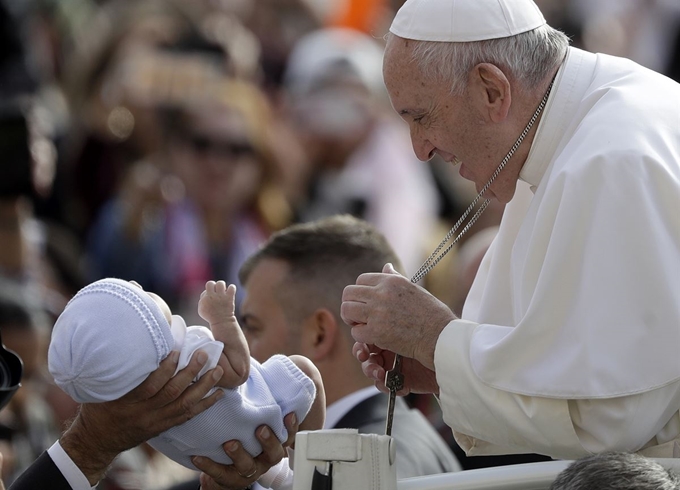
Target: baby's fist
x,y
216,304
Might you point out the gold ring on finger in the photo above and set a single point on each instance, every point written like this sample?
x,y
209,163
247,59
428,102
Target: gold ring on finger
x,y
249,475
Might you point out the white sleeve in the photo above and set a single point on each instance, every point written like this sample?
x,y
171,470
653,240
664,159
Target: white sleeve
x,y
68,468
486,420
628,423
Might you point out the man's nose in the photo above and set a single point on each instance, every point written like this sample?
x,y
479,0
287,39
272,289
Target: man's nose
x,y
423,149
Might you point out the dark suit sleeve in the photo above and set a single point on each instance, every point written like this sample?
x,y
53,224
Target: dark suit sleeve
x,y
189,485
43,473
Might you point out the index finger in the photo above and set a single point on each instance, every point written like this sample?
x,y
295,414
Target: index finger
x,y
370,278
182,386
228,476
360,351
355,293
292,425
272,448
156,380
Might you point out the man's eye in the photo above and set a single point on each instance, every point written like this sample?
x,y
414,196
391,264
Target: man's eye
x,y
422,120
249,329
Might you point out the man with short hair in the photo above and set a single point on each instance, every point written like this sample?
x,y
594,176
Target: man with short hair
x,y
568,340
616,471
293,289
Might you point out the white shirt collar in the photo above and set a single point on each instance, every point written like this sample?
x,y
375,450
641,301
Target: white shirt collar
x,y
563,102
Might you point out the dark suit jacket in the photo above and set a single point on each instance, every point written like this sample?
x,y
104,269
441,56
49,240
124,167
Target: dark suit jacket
x,y
42,474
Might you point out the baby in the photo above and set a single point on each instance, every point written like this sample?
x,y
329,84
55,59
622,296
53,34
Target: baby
x,y
113,334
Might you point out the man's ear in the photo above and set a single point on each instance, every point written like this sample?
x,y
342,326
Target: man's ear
x,y
321,331
494,88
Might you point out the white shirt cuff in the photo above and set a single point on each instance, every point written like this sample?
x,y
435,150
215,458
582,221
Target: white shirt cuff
x,y
68,468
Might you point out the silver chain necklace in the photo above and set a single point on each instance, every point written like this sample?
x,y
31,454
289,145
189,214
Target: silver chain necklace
x,y
394,380
438,254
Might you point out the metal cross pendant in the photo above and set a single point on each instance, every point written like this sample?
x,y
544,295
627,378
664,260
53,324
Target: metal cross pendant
x,y
394,381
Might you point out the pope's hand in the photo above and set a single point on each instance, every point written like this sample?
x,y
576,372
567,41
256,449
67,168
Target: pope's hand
x,y
375,362
390,312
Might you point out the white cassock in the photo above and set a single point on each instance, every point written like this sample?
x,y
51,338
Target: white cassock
x,y
570,342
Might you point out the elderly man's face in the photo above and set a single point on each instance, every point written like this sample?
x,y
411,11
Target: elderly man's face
x,y
452,127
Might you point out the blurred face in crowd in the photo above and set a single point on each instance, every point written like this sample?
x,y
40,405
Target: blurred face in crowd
x,y
214,157
455,127
263,319
28,345
332,121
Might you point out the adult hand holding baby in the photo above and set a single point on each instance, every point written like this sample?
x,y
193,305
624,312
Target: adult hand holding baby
x,y
103,430
246,469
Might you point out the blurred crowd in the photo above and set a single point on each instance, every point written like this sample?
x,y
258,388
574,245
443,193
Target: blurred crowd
x,y
163,140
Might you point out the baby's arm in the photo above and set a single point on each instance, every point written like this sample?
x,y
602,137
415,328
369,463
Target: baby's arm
x,y
217,307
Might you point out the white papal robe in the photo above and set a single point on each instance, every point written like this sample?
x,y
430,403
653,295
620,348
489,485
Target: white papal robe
x,y
570,337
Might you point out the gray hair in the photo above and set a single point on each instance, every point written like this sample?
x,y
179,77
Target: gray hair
x,y
528,57
616,471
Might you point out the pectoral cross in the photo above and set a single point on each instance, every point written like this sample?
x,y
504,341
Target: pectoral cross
x,y
394,381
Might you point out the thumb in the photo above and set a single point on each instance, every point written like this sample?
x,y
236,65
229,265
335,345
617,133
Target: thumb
x,y
389,269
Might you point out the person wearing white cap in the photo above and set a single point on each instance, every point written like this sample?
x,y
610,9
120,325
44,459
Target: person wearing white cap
x,y
356,149
113,334
568,339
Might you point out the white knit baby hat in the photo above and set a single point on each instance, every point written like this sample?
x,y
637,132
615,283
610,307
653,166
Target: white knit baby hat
x,y
108,339
465,20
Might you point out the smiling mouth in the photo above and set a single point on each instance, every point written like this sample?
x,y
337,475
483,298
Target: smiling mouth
x,y
453,160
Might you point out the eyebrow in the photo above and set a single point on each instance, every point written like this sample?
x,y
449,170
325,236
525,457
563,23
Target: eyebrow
x,y
412,112
407,112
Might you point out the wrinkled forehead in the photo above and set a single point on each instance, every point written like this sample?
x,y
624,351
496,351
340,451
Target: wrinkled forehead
x,y
396,62
406,84
397,53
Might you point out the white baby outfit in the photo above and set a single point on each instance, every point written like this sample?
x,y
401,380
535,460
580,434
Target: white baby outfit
x,y
112,335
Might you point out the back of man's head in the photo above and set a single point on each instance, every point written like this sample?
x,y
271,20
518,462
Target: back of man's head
x,y
616,471
323,257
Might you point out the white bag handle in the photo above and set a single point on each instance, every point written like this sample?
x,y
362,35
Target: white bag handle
x,y
343,459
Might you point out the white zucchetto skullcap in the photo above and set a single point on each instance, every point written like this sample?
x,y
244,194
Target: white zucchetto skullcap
x,y
465,20
107,340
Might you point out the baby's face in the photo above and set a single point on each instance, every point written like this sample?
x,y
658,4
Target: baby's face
x,y
159,301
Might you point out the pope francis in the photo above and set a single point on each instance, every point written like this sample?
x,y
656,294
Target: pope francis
x,y
569,339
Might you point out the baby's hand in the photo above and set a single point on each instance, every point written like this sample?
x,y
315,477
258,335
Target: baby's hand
x,y
216,305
